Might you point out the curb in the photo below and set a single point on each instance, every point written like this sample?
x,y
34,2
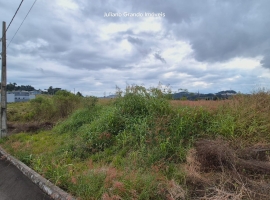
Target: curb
x,y
45,185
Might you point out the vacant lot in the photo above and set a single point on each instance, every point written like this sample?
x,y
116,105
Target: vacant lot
x,y
143,146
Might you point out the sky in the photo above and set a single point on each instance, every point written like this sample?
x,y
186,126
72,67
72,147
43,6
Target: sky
x,y
93,46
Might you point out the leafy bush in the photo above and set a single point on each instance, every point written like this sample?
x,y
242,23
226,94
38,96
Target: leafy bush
x,y
53,108
138,101
42,108
65,102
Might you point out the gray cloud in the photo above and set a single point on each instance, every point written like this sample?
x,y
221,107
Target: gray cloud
x,y
217,32
158,57
266,60
135,41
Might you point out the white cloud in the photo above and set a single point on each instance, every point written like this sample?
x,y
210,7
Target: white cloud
x,y
243,63
67,4
31,45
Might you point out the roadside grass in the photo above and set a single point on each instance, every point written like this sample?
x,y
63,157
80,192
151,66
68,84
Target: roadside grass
x,y
137,145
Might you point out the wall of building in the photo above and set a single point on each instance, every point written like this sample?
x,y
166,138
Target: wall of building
x,y
18,96
32,96
10,98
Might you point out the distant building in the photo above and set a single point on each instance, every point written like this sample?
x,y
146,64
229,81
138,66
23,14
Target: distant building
x,y
10,98
35,92
19,96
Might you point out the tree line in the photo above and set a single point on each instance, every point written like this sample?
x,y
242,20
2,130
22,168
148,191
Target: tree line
x,y
15,87
51,90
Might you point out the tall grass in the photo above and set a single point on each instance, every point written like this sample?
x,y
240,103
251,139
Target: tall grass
x,y
246,117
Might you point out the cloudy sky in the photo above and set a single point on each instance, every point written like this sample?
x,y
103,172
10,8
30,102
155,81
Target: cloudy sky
x,y
92,46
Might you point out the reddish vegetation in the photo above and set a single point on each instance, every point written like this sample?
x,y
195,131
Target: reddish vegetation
x,y
212,105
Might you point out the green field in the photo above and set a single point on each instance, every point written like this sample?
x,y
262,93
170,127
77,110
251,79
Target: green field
x,y
142,145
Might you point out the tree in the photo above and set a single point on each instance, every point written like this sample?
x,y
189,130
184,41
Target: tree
x,y
183,90
79,94
10,87
215,98
50,90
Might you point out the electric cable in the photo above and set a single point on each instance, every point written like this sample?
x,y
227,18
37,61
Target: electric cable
x,y
22,23
14,15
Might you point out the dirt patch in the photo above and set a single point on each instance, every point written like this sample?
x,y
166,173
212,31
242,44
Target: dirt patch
x,y
30,127
217,170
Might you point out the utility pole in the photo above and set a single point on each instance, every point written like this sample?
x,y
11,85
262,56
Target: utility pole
x,y
3,121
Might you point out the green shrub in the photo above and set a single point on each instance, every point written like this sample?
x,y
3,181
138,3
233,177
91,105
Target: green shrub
x,y
59,106
65,102
89,102
42,108
138,101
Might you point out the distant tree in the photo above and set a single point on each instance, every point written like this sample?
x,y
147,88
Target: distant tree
x,y
56,90
215,98
79,94
27,88
10,87
50,90
64,93
183,90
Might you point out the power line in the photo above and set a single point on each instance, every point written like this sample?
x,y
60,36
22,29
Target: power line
x,y
14,15
22,23
12,18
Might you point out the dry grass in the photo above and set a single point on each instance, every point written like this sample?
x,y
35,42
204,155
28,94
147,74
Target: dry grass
x,y
105,101
215,170
29,127
175,191
211,105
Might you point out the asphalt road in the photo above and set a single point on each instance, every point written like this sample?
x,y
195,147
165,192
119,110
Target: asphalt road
x,y
14,185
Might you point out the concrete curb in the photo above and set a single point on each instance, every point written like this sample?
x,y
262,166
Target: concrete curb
x,y
45,185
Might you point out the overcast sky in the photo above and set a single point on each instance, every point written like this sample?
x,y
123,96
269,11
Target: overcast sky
x,y
92,46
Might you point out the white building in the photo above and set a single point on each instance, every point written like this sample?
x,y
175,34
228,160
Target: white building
x,y
19,96
10,98
35,92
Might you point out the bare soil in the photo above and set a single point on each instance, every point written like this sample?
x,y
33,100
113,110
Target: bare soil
x,y
30,127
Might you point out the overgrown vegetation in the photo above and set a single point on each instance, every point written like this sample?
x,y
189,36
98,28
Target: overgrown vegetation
x,y
44,111
140,146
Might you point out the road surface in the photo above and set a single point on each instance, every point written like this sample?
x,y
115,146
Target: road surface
x,y
14,185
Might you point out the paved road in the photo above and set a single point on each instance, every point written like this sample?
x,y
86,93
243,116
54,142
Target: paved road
x,y
15,186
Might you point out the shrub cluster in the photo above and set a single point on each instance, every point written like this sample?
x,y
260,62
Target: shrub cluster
x,y
58,106
141,119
